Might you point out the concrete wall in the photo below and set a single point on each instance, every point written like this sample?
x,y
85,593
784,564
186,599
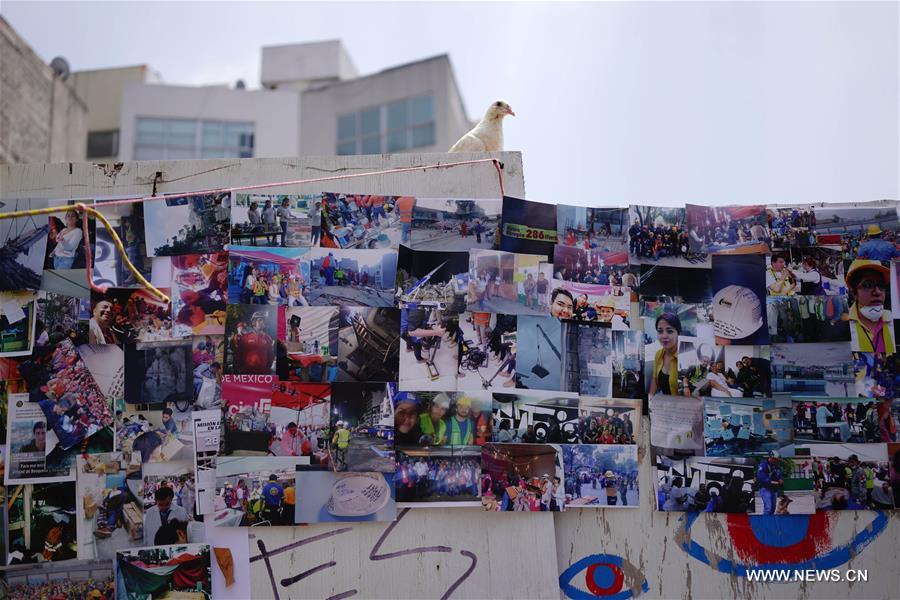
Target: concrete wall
x,y
465,553
275,114
296,66
41,118
321,107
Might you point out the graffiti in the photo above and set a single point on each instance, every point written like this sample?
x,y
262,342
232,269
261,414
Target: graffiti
x,y
606,576
374,555
768,542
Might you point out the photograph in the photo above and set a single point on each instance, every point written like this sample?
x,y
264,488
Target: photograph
x,y
792,226
807,319
843,421
739,299
275,220
579,265
207,358
196,224
59,317
368,345
250,334
18,323
863,230
363,222
503,282
299,420
70,579
522,477
442,418
728,229
487,351
824,370
848,476
153,433
604,229
676,426
254,491
199,294
455,225
811,271
538,353
877,375
352,277
128,222
431,477
528,227
433,279
871,323
746,427
362,427
893,451
171,569
129,315
26,459
110,506
601,476
268,276
248,402
659,236
602,362
24,246
675,284
159,372
169,501
694,484
706,370
207,427
541,417
41,523
326,496
65,239
591,303
307,343
430,358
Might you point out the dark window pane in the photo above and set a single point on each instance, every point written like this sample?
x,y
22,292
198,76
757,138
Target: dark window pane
x,y
346,148
370,121
103,144
423,135
421,110
396,140
396,115
371,145
346,127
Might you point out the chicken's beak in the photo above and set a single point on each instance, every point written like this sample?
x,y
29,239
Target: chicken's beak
x,y
510,112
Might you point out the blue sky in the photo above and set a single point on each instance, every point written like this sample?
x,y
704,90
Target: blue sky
x,y
617,103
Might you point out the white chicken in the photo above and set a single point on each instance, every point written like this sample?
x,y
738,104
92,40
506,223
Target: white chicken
x,y
487,136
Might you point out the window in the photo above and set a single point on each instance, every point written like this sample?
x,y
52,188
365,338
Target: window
x,y
103,144
189,138
394,127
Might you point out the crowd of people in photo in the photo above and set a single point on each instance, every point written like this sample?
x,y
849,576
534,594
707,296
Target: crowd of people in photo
x,y
613,488
614,275
655,242
866,422
138,319
596,238
728,496
521,493
808,276
849,483
261,286
432,423
588,429
331,273
726,231
437,478
269,501
792,228
269,222
807,319
65,589
750,377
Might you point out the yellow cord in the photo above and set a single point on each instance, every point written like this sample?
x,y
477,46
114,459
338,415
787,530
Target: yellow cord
x,y
109,228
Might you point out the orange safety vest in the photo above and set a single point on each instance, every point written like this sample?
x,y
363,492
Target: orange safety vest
x,y
405,206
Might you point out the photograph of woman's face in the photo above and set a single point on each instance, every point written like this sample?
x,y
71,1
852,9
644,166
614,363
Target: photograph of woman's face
x,y
666,334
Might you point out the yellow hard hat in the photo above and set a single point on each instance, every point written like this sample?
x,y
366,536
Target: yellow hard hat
x,y
863,264
873,229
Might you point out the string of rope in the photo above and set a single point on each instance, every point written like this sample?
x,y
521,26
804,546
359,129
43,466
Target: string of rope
x,y
87,210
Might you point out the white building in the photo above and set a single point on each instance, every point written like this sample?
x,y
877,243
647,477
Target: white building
x,y
312,102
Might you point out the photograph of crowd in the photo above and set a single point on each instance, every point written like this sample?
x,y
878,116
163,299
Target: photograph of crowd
x,y
363,221
503,282
369,341
522,477
362,427
126,316
843,421
807,319
792,226
199,294
432,279
435,475
454,225
811,271
813,370
250,334
24,246
746,427
92,579
871,323
442,418
187,225
863,230
168,570
430,356
877,375
272,276
110,508
255,491
41,523
352,277
601,476
326,496
600,267
159,372
169,500
540,417
603,229
538,352
728,229
660,235
275,220
848,476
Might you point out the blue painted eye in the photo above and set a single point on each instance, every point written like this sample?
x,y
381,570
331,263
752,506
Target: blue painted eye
x,y
781,542
605,576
